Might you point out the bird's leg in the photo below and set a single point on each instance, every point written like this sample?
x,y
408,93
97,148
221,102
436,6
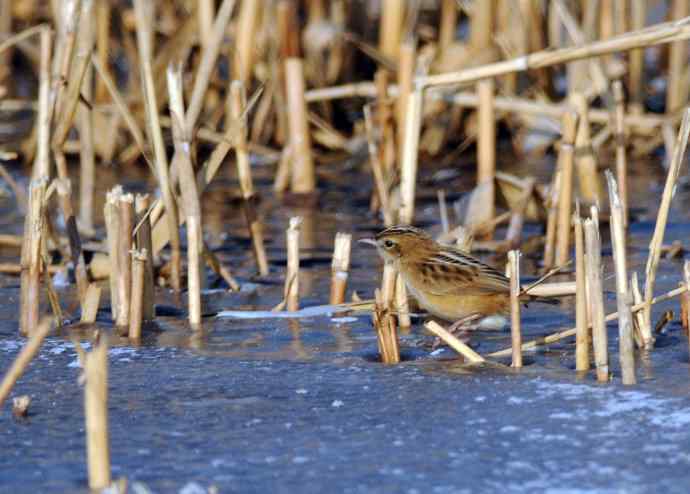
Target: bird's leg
x,y
461,329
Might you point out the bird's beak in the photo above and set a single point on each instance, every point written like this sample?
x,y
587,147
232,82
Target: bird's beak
x,y
369,241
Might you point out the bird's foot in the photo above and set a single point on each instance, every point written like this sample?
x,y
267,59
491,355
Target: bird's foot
x,y
461,329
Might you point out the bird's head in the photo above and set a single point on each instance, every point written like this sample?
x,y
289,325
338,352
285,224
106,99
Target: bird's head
x,y
397,242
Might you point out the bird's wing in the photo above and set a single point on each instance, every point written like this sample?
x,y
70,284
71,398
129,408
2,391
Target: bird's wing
x,y
452,272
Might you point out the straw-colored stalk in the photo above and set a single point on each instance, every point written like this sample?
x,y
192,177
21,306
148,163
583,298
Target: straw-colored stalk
x,y
136,311
31,258
124,247
402,306
87,165
565,193
111,213
582,336
555,289
67,17
486,145
103,11
292,272
515,328
386,330
643,334
568,333
303,177
377,169
685,300
384,119
481,28
391,27
96,414
638,17
662,218
654,35
144,14
623,295
621,159
143,244
205,14
406,69
246,40
190,196
552,220
517,216
26,355
340,267
41,166
408,172
449,20
90,303
588,178
64,190
596,300
677,86
388,284
452,341
244,175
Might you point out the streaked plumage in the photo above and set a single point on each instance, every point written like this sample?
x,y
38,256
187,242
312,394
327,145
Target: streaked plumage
x,y
445,281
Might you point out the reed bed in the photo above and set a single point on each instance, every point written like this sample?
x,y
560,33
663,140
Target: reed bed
x,y
272,82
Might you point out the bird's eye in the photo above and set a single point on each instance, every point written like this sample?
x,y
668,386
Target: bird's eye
x,y
388,244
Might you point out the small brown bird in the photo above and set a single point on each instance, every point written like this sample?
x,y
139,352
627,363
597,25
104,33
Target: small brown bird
x,y
445,281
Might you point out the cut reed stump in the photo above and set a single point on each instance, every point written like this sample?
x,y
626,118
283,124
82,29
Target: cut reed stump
x,y
515,289
136,314
339,267
386,330
124,262
143,242
292,272
566,155
582,335
96,413
111,213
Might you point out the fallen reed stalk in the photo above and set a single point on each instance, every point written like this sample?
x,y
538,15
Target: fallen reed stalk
x,y
96,415
662,218
653,35
515,328
244,175
452,341
582,333
623,295
292,272
26,355
339,267
566,155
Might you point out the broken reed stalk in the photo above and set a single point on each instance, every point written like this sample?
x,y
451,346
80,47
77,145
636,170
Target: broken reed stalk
x,y
96,415
292,272
653,35
552,220
408,160
596,295
486,147
452,341
144,14
25,356
377,169
623,295
386,331
64,190
582,334
566,155
391,27
515,328
303,176
588,178
190,195
31,258
677,84
136,311
124,263
244,176
621,159
143,243
662,218
111,213
339,267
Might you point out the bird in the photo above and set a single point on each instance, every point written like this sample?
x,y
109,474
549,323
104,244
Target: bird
x,y
445,281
